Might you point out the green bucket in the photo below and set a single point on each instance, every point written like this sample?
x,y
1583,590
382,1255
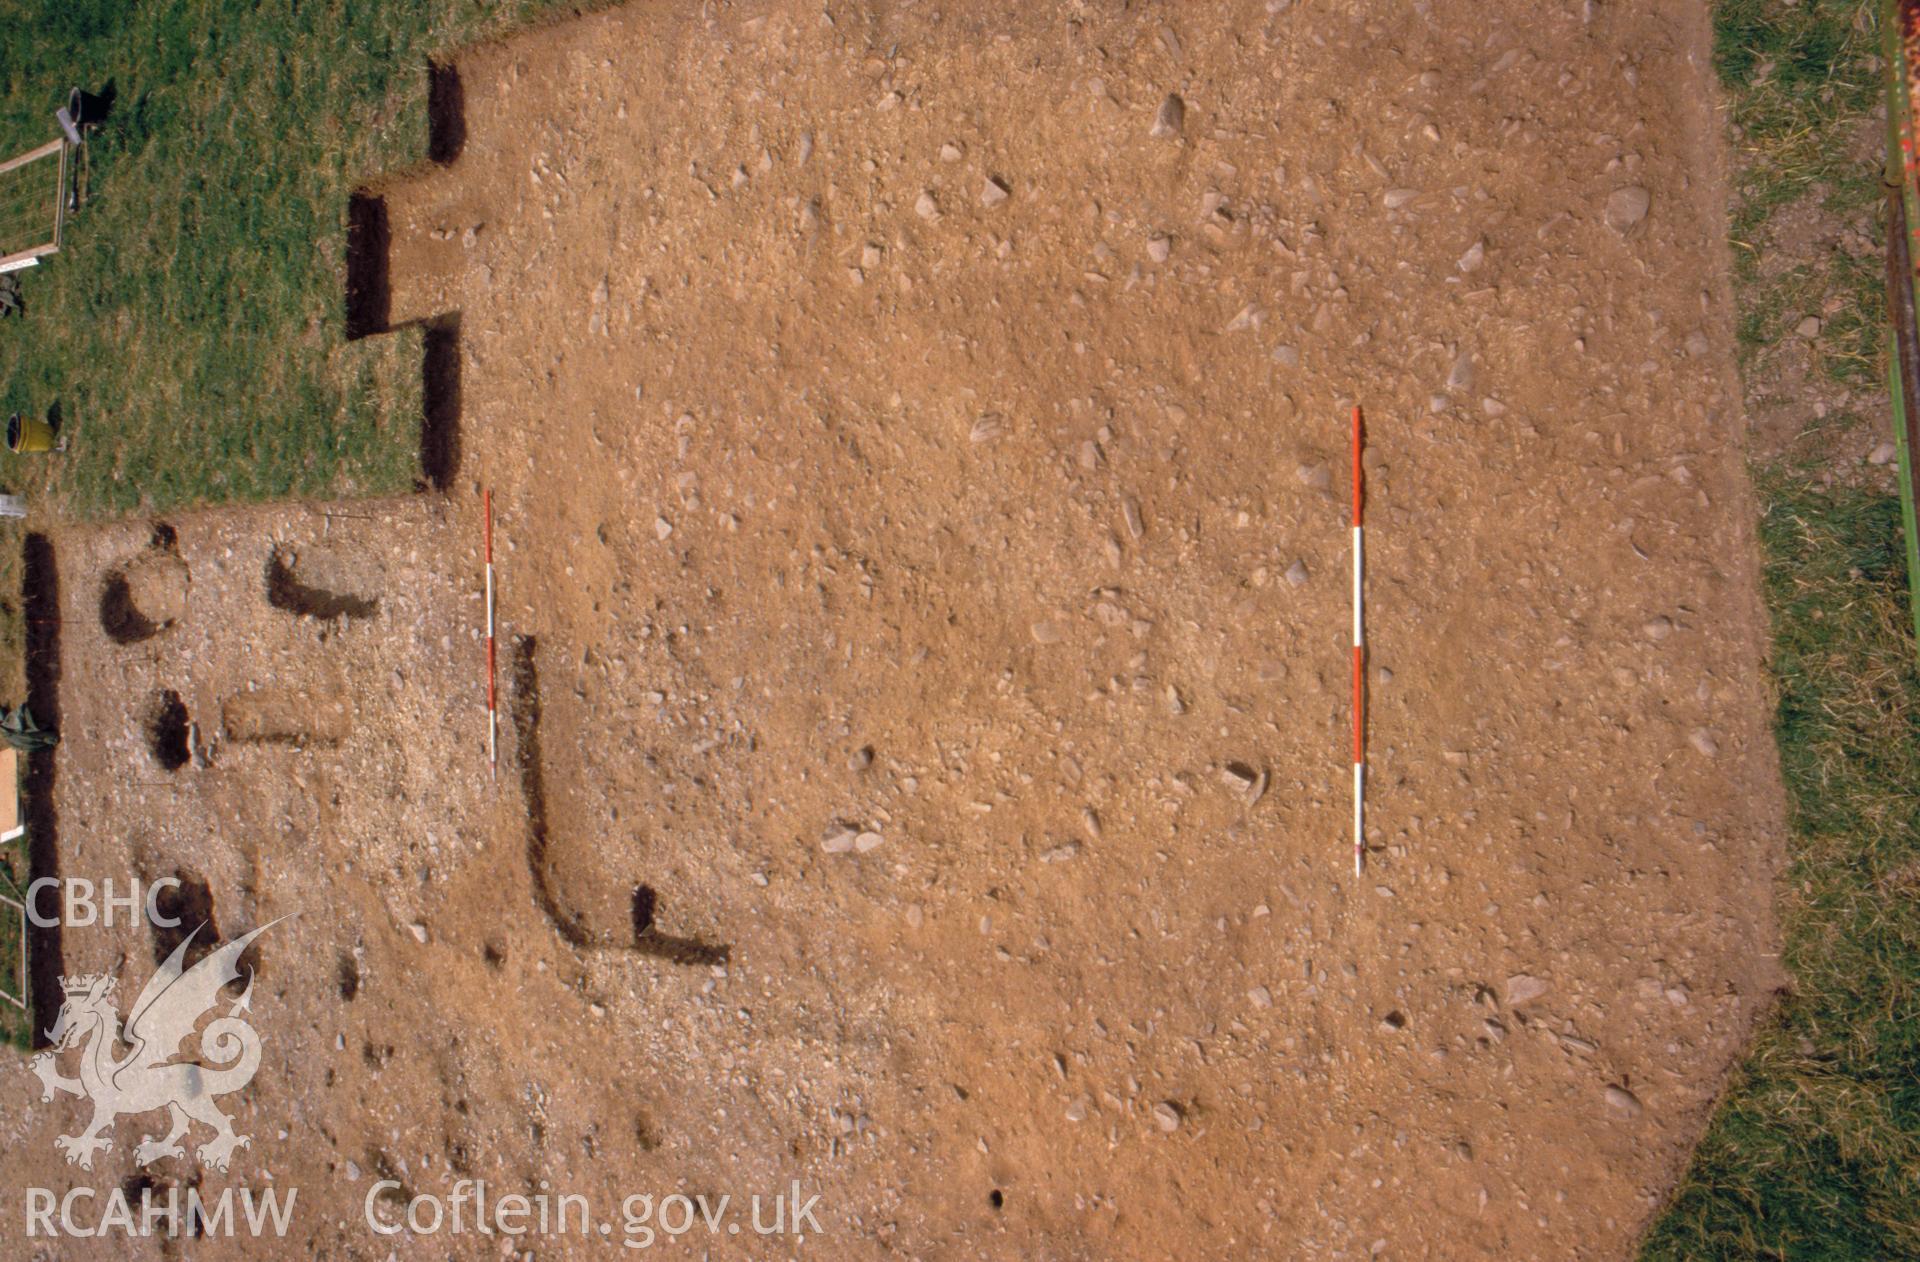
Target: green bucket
x,y
26,434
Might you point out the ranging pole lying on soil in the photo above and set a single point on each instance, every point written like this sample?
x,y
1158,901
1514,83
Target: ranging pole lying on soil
x,y
493,746
1359,668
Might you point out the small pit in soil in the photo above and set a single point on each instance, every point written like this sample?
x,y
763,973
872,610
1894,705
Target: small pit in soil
x,y
147,595
317,584
190,904
168,727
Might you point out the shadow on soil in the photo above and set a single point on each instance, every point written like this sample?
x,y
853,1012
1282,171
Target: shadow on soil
x,y
446,112
369,247
524,676
40,585
286,592
440,396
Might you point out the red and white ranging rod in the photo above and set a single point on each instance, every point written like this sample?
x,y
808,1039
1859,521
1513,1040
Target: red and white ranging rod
x,y
493,747
1359,667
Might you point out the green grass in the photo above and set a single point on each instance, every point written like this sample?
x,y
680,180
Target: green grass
x,y
1814,1151
16,1028
191,331
1800,81
13,627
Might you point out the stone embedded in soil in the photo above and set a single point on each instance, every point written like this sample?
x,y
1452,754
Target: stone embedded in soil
x,y
1171,118
1077,1109
1476,255
839,840
864,842
1297,574
1883,454
1623,1101
925,206
1701,739
1523,988
1810,327
1260,997
1395,198
1159,248
1247,318
1286,356
1658,629
1626,207
992,192
1048,631
1166,1115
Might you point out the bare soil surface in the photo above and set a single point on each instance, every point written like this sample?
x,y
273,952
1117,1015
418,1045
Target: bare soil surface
x,y
918,461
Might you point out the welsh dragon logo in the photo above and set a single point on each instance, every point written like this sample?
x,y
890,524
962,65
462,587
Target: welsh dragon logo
x,y
149,1077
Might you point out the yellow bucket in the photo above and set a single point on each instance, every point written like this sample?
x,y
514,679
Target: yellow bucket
x,y
26,434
